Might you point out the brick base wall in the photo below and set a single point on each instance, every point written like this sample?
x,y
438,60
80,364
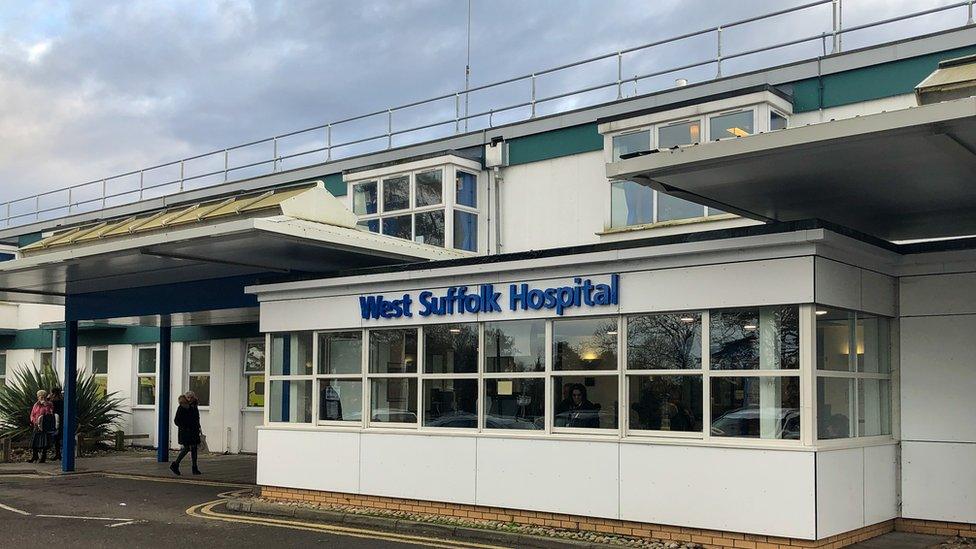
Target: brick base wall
x,y
936,528
708,538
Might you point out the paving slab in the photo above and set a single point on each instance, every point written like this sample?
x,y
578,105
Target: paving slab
x,y
229,468
901,540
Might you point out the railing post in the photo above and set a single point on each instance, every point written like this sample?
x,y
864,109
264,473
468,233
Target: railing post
x,y
8,214
532,115
969,21
226,163
141,183
181,175
620,75
718,58
69,199
37,207
835,31
274,156
328,142
457,113
389,128
104,192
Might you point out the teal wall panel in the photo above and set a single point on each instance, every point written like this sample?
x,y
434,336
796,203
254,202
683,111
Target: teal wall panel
x,y
130,335
865,84
554,144
334,184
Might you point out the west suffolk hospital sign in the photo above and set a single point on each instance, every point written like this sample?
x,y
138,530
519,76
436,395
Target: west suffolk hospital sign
x,y
484,299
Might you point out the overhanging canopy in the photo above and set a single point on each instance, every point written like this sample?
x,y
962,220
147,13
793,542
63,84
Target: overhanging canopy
x,y
896,175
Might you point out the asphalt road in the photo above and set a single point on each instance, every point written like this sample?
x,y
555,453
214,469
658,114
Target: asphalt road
x,y
119,511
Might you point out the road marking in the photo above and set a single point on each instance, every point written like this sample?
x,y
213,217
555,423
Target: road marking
x,y
178,480
125,523
14,510
83,518
205,510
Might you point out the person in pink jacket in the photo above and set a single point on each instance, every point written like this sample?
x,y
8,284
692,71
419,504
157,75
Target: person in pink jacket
x,y
42,413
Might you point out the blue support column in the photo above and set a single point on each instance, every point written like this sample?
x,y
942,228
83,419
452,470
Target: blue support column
x,y
70,393
163,406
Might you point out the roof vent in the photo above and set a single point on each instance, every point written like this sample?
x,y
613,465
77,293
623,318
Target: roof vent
x,y
954,79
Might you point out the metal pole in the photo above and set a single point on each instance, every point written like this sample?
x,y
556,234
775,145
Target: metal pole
x,y
274,157
467,70
389,128
457,113
69,199
181,175
718,59
141,183
104,192
835,10
533,97
69,423
969,5
328,142
163,407
37,207
620,74
840,25
226,163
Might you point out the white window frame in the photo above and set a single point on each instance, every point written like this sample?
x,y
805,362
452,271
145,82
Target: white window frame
x,y
423,376
40,358
268,377
188,375
370,376
155,375
542,375
359,376
91,364
247,375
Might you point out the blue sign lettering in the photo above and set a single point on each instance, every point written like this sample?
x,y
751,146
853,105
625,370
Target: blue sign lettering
x,y
460,300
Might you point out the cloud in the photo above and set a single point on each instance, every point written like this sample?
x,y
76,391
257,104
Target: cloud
x,y
91,88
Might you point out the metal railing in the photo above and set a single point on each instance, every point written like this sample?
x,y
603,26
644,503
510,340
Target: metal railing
x,y
319,147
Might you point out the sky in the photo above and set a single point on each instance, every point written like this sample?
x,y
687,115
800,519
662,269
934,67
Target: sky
x,y
93,88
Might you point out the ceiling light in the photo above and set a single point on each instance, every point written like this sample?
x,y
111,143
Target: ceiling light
x,y
821,312
750,327
612,332
454,330
687,319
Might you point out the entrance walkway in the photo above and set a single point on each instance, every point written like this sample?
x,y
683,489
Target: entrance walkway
x,y
231,468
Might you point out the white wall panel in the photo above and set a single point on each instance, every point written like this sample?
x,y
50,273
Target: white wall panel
x,y
879,293
838,284
249,430
938,294
938,378
144,423
759,491
314,460
880,483
438,468
939,481
840,491
559,476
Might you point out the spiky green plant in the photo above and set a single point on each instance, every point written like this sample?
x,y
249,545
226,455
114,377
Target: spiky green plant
x,y
97,414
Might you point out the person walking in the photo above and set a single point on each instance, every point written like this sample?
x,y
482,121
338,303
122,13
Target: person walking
x,y
57,402
41,419
187,422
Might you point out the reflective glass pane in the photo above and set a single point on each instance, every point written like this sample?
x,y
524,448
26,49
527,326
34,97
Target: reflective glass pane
x,y
199,358
737,124
585,402
398,226
451,348
255,391
429,228
834,332
666,403
515,404
664,342
683,133
515,346
371,225
465,231
101,385
766,338
341,352
393,400
631,142
291,401
584,344
291,354
396,193
340,400
670,208
776,121
147,390
393,351
46,360
630,204
147,360
200,385
254,356
835,407
364,198
871,334
873,407
99,361
451,403
430,188
466,189
756,407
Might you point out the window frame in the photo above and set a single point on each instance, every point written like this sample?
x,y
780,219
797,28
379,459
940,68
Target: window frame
x,y
155,375
247,375
91,364
188,375
269,378
359,376
424,376
368,378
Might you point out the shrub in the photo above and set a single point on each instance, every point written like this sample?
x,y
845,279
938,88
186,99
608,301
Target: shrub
x,y
97,413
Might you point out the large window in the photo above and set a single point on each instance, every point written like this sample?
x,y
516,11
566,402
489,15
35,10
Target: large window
x,y
198,374
393,376
853,375
98,365
254,382
586,373
421,206
340,380
291,378
515,384
146,376
450,381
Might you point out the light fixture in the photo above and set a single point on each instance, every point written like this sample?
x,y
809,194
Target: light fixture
x,y
454,330
611,332
687,319
821,312
749,327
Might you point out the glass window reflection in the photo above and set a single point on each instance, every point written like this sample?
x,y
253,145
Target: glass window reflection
x,y
666,403
630,204
393,351
766,338
451,403
340,400
736,124
630,143
756,407
583,402
584,344
393,400
515,403
451,348
515,346
670,341
396,193
341,352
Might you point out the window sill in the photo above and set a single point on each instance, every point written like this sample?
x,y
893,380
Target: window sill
x,y
671,223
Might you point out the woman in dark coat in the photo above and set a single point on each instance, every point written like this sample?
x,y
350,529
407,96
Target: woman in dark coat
x,y
188,431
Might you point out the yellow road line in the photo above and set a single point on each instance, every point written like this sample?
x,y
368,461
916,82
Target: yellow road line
x,y
177,480
205,510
